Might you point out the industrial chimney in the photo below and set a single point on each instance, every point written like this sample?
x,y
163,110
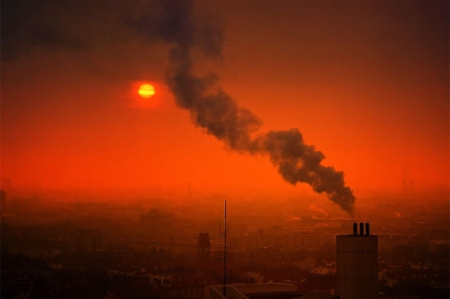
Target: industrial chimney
x,y
357,264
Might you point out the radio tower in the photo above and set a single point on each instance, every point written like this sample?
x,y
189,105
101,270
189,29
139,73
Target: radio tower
x,y
224,235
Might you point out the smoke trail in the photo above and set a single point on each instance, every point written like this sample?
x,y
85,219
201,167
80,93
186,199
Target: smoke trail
x,y
217,113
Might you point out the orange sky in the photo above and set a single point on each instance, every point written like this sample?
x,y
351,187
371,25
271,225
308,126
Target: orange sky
x,y
366,84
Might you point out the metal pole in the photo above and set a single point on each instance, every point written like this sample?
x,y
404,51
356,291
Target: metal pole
x,y
225,255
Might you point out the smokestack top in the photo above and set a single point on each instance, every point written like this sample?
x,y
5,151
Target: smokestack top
x,y
361,229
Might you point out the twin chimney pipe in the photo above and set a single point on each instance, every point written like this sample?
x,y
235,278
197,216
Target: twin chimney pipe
x,y
361,229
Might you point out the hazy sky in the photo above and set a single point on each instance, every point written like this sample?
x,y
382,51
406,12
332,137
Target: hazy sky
x,y
365,82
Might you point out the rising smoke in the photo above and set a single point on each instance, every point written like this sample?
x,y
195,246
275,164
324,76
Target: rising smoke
x,y
211,108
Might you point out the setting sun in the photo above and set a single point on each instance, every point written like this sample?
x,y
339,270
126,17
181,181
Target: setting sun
x,y
146,90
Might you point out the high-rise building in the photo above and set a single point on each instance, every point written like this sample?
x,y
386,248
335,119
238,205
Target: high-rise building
x,y
204,246
357,264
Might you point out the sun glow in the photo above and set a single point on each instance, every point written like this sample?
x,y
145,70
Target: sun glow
x,y
146,90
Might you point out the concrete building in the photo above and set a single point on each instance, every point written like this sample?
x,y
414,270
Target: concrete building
x,y
357,264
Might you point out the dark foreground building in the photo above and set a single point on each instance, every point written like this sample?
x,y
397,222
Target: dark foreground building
x,y
357,264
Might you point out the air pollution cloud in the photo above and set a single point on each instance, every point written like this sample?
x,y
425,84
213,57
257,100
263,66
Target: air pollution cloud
x,y
181,24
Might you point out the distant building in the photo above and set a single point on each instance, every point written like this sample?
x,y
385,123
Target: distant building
x,y
3,202
87,241
357,264
145,247
204,246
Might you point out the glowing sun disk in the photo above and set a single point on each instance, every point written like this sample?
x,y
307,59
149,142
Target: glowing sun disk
x,y
146,90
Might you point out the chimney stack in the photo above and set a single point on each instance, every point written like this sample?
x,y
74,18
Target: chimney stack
x,y
357,264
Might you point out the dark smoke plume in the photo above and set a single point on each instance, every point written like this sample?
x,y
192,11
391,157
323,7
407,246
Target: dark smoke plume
x,y
211,108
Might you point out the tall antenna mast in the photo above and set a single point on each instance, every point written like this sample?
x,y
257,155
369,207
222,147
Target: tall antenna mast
x,y
225,253
224,234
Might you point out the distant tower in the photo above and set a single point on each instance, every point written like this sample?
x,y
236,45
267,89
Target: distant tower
x,y
204,246
357,264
